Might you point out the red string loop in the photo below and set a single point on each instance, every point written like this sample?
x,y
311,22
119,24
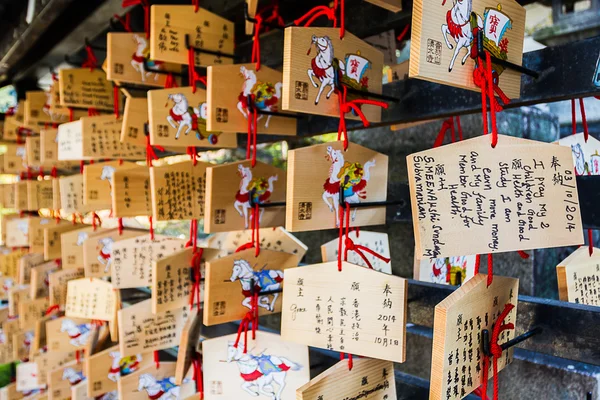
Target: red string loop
x,y
156,359
96,221
120,222
145,4
496,349
195,264
126,22
193,76
170,81
523,255
52,308
402,34
191,151
150,153
252,117
91,61
256,42
357,248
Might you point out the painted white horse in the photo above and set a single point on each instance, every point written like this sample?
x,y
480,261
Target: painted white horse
x,y
8,284
108,172
353,194
72,376
242,197
122,366
260,373
78,334
321,66
579,158
27,339
458,27
137,60
105,256
81,238
165,389
264,280
180,116
268,100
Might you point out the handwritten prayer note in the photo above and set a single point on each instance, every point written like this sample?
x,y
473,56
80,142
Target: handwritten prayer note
x,y
91,298
470,198
80,87
356,310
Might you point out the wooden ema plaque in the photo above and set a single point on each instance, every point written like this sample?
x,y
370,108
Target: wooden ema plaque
x,y
228,190
71,194
178,190
24,265
276,239
61,379
131,193
9,392
17,294
390,5
127,58
27,373
188,346
39,194
147,383
92,138
445,271
9,263
171,284
10,127
579,278
228,284
311,58
103,370
137,328
8,200
444,38
65,335
40,279
71,245
36,233
21,195
98,182
178,119
21,345
97,251
458,322
82,88
135,118
228,89
52,242
36,112
586,155
14,158
361,312
92,299
33,146
132,258
169,24
376,241
271,367
30,311
48,150
470,198
315,175
368,379
57,284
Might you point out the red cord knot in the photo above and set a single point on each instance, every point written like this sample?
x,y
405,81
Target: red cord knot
x,y
193,75
126,22
195,264
51,309
496,349
191,151
355,106
358,249
91,61
319,11
170,81
150,153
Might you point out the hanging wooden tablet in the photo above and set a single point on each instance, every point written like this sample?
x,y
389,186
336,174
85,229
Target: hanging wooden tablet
x,y
446,271
315,175
25,263
376,241
6,353
188,346
458,322
91,298
9,392
4,314
229,87
178,119
39,194
57,284
444,41
79,391
135,120
14,158
170,24
470,198
16,294
8,198
230,281
130,192
11,126
9,262
82,88
71,247
32,151
586,155
277,239
127,60
48,150
22,343
40,278
150,381
39,343
132,258
390,5
369,379
71,194
92,138
98,182
61,379
103,370
35,112
97,251
579,278
65,334
171,284
36,233
178,190
232,374
312,57
52,242
21,195
30,311
362,312
137,328
27,377
228,189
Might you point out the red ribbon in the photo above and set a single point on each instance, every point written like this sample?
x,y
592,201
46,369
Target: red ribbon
x,y
146,6
256,42
496,349
195,264
191,151
96,221
252,118
196,4
90,62
193,76
198,376
150,153
357,248
318,11
125,22
170,81
151,227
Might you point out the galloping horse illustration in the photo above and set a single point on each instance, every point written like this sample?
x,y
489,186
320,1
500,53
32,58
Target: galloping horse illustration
x,y
182,115
72,376
264,280
263,188
261,372
352,178
459,28
141,53
164,389
266,94
322,66
77,333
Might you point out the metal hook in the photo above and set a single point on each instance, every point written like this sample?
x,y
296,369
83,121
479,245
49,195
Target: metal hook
x,y
506,64
485,335
339,85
